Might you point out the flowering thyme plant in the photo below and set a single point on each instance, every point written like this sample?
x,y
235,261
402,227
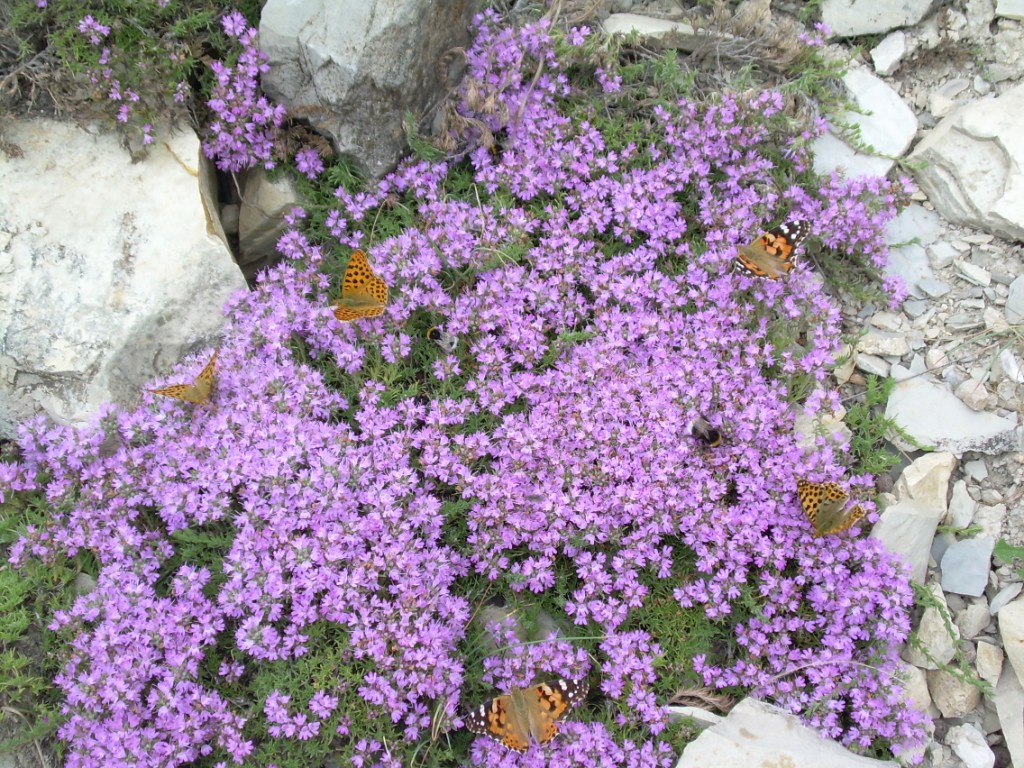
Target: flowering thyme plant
x,y
304,568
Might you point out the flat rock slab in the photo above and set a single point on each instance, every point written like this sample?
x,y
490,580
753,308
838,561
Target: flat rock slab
x,y
970,165
936,418
756,733
113,268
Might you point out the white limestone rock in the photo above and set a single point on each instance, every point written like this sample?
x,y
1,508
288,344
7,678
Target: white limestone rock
x,y
973,619
756,733
989,662
926,480
934,634
1010,9
356,69
971,165
1011,631
888,54
847,18
1004,596
935,417
876,342
970,746
887,127
265,202
907,528
915,688
1009,703
682,33
953,696
966,565
113,269
961,506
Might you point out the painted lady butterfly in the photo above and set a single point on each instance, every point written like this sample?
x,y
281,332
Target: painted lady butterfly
x,y
771,255
511,719
825,506
363,294
198,392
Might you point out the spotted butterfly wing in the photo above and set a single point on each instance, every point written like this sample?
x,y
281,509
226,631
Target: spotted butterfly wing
x,y
772,254
363,294
198,392
825,506
534,711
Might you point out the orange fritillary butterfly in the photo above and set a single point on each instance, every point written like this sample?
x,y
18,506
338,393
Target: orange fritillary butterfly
x,y
198,391
363,294
825,506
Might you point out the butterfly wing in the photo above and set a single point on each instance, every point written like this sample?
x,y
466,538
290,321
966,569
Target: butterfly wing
x,y
535,711
841,521
186,392
502,720
772,254
363,294
825,506
547,703
205,380
198,392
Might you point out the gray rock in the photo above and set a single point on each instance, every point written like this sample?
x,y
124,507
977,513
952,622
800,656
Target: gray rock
x,y
973,619
915,222
976,469
886,128
1009,703
915,307
356,69
868,17
1010,9
757,733
970,746
961,506
872,364
954,696
887,55
942,254
943,540
90,313
1004,596
1014,308
910,264
962,322
933,415
933,288
966,564
972,162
